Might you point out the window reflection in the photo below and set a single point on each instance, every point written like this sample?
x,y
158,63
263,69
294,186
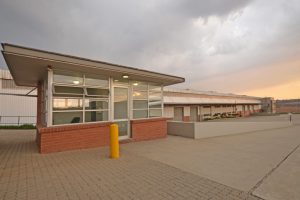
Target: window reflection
x,y
68,79
67,117
67,104
95,104
93,116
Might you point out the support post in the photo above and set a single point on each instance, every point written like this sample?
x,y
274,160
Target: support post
x,y
114,141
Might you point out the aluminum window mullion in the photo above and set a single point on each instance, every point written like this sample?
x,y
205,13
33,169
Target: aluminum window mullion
x,y
162,100
83,108
66,111
148,100
101,110
50,103
111,100
83,97
140,99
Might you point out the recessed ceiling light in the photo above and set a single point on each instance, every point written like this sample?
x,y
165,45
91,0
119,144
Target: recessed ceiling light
x,y
116,80
135,84
76,82
125,76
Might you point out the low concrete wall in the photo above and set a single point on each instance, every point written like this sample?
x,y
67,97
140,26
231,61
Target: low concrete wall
x,y
185,129
199,130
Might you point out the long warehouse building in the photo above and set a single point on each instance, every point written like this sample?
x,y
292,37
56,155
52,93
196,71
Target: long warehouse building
x,y
189,105
15,107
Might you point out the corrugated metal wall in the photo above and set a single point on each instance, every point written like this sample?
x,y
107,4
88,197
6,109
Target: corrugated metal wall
x,y
11,107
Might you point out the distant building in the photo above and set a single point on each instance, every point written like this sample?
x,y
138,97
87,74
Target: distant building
x,y
268,105
189,105
288,106
14,108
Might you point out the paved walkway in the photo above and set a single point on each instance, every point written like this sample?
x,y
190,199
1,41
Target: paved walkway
x,y
89,174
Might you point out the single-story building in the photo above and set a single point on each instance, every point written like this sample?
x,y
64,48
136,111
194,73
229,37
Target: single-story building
x,y
78,98
189,105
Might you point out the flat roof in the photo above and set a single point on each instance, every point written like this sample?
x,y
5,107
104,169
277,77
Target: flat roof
x,y
28,66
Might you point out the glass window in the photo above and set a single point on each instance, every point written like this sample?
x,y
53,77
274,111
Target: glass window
x,y
140,104
121,81
140,114
93,116
97,92
95,104
96,80
67,117
120,103
65,78
140,95
68,107
140,86
154,104
155,113
155,88
155,95
68,90
67,104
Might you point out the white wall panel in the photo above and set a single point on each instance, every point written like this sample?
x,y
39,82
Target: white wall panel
x,y
169,111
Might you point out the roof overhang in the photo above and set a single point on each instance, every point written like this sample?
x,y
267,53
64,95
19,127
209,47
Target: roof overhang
x,y
29,66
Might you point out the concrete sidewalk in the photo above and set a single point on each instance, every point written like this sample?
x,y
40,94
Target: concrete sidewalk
x,y
239,161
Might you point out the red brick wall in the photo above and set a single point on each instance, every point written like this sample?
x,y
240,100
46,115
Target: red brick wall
x,y
81,136
148,129
246,113
62,138
287,109
186,118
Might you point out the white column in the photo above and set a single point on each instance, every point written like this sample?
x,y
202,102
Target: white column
x,y
49,96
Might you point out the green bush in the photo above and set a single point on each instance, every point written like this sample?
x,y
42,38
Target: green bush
x,y
23,126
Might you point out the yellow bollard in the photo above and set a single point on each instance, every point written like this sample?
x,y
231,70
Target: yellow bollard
x,y
114,141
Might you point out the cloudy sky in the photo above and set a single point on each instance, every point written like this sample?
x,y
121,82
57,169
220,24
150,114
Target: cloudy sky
x,y
237,46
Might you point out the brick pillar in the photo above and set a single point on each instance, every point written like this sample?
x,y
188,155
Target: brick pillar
x,y
39,105
39,112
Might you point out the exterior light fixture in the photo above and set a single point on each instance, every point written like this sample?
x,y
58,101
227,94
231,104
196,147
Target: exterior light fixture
x,y
125,76
76,82
135,84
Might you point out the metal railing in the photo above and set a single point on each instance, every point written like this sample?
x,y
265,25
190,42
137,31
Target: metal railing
x,y
17,120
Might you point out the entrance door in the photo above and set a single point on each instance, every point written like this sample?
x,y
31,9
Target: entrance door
x,y
194,113
121,111
178,113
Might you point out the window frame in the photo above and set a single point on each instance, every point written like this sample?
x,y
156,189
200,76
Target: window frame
x,y
149,91
83,97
